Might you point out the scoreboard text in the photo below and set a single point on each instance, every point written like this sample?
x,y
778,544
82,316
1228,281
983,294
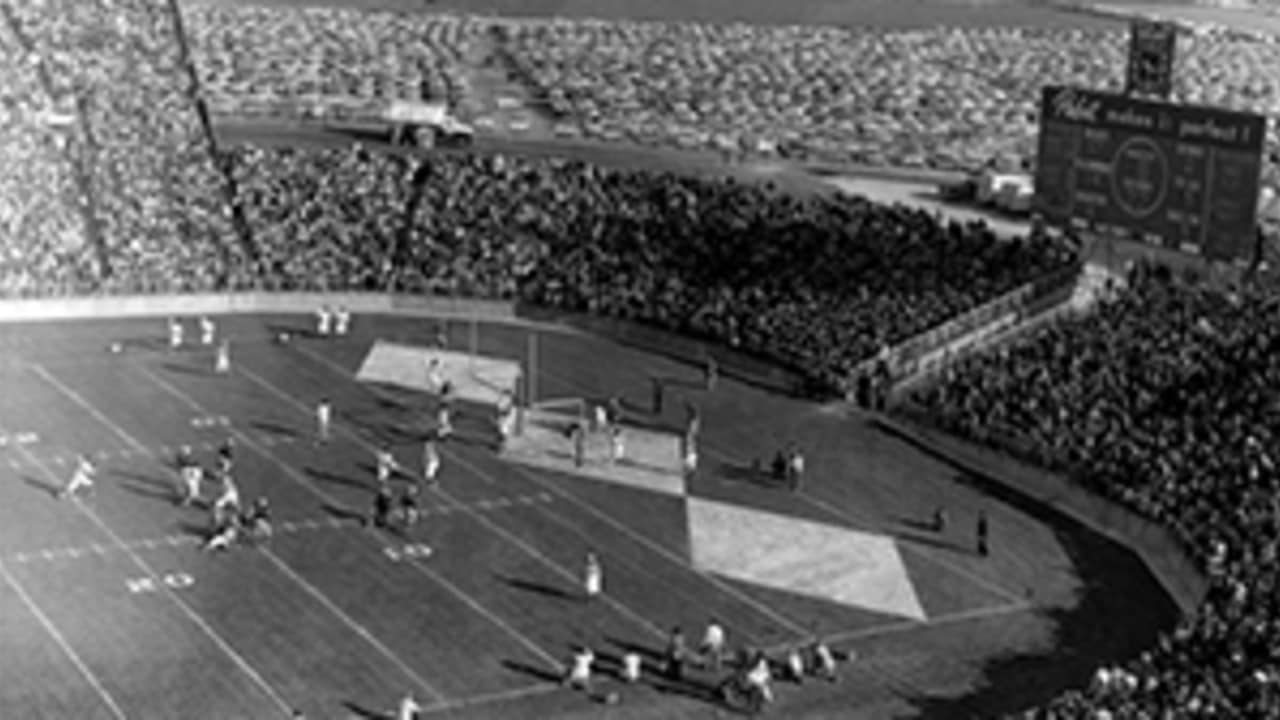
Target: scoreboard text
x,y
1179,176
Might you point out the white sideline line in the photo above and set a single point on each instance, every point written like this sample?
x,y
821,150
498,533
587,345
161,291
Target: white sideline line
x,y
254,675
490,698
71,654
88,406
954,618
355,627
484,504
426,571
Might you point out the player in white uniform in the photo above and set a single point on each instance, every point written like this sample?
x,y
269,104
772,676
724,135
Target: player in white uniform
x,y
631,664
192,476
713,644
430,461
341,321
222,361
592,577
175,333
759,676
690,459
207,330
824,661
386,464
226,531
228,503
444,421
324,414
617,448
435,375
579,675
601,417
408,708
323,319
81,478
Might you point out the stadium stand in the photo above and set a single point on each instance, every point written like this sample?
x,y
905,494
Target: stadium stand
x,y
1161,400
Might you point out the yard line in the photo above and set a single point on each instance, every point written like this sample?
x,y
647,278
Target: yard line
x,y
608,519
88,407
456,591
483,504
490,698
71,654
355,627
285,709
954,618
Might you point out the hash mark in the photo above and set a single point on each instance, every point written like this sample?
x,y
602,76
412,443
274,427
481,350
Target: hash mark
x,y
99,549
73,552
48,555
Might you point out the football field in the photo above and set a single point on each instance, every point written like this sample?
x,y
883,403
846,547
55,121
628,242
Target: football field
x,y
110,608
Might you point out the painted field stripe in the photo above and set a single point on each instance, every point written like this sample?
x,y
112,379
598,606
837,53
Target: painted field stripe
x,y
490,698
78,399
528,549
62,643
351,624
303,482
284,707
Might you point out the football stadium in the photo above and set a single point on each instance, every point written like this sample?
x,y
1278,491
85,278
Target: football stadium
x,y
686,360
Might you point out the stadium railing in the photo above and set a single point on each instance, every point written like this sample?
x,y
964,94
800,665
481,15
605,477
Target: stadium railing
x,y
933,349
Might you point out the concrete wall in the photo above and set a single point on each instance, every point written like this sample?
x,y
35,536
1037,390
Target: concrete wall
x,y
1158,548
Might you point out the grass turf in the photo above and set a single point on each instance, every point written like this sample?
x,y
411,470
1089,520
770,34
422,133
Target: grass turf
x,y
324,620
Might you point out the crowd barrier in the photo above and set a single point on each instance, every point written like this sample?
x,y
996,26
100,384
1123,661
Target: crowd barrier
x,y
933,349
1023,471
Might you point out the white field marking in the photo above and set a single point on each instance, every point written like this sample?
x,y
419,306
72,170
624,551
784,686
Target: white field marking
x,y
72,552
284,707
354,626
21,557
47,554
842,514
71,654
454,590
490,698
454,503
905,545
905,626
78,399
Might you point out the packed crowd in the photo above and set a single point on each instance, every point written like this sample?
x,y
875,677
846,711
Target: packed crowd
x,y
44,232
713,257
1160,399
312,56
145,174
1163,400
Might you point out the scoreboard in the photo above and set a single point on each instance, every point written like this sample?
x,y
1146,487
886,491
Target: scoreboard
x,y
1151,50
1178,176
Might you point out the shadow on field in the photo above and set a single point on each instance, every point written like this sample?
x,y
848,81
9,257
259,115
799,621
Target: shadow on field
x,y
537,587
539,673
274,428
1120,610
48,487
365,713
333,478
181,369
